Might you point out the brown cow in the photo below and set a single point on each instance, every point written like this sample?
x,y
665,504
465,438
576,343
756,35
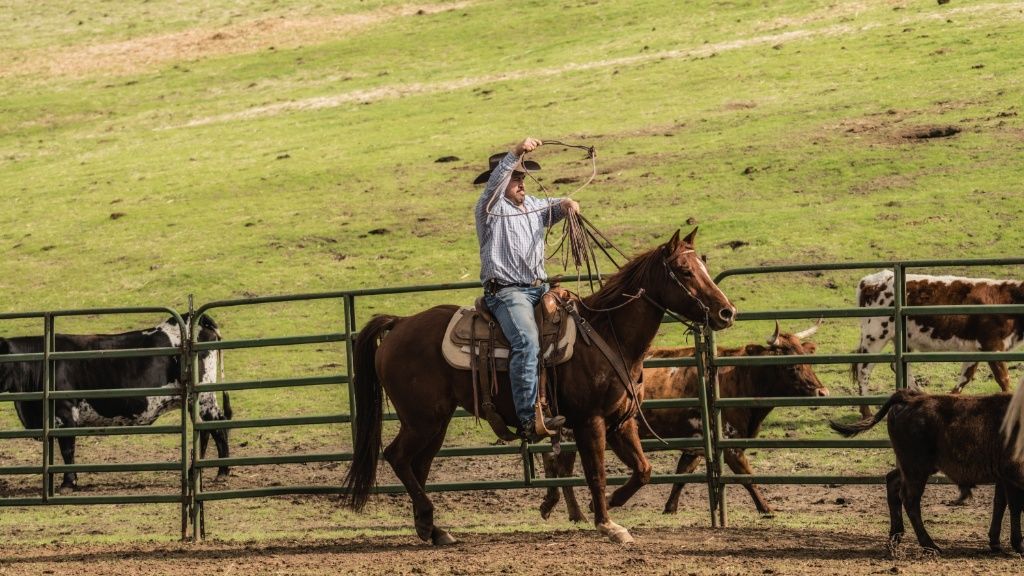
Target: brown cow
x,y
968,333
734,381
957,435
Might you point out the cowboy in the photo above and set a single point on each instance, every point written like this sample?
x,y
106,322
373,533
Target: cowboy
x,y
510,227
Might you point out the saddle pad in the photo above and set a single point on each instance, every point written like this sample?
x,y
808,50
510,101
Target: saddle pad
x,y
458,356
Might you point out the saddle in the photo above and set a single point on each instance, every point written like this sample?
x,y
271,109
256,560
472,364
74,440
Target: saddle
x,y
474,341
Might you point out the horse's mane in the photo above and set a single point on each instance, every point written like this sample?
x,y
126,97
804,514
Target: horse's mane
x,y
627,280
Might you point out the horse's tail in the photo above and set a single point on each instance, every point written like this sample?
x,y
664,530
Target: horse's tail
x,y
848,430
362,476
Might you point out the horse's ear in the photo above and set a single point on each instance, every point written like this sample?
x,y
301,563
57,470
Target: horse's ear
x,y
672,244
689,237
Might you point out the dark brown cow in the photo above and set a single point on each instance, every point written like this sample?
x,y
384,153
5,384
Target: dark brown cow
x,y
957,435
734,381
967,333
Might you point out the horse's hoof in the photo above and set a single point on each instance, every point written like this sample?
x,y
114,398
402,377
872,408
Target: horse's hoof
x,y
441,537
66,490
615,533
577,518
220,479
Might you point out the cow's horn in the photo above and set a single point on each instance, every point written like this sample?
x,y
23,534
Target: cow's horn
x,y
810,331
774,339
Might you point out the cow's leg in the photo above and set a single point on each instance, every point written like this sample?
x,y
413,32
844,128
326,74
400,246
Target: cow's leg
x,y
913,489
410,456
625,442
967,370
739,464
67,453
1015,498
998,509
209,411
688,462
893,487
1001,374
873,337
590,441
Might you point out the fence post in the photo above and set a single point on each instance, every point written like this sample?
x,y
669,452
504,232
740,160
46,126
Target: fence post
x,y
716,430
705,418
899,286
350,330
48,423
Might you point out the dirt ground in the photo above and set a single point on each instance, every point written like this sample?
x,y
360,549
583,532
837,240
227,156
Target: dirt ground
x,y
834,529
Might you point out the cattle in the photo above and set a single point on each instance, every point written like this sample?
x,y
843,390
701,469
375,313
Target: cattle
x,y
734,381
967,333
114,373
957,435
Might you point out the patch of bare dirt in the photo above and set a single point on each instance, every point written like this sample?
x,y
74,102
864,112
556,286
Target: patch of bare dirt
x,y
149,52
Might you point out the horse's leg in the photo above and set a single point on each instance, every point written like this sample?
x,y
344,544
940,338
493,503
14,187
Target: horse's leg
x,y
590,441
421,467
739,464
566,462
688,462
1002,375
410,446
625,442
551,497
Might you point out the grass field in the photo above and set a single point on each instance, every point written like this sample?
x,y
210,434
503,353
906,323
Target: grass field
x,y
231,149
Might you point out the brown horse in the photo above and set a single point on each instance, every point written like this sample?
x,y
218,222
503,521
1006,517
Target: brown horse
x,y
425,390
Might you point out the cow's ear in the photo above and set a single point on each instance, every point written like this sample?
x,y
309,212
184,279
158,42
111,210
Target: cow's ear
x,y
810,347
754,350
689,237
672,245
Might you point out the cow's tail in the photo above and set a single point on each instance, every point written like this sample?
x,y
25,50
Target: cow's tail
x,y
848,430
1013,424
369,398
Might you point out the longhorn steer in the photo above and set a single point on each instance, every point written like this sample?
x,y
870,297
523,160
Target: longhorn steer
x,y
734,381
113,373
968,333
957,435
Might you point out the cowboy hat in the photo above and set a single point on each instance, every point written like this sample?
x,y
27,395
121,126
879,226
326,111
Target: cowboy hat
x,y
496,158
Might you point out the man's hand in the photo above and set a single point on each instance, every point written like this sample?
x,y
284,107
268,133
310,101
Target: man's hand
x,y
570,206
527,145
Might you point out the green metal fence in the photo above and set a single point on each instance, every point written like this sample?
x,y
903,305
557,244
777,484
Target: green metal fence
x,y
194,494
900,357
50,357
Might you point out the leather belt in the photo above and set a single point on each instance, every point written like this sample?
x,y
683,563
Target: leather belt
x,y
493,286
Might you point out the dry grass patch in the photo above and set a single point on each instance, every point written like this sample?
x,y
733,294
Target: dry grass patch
x,y
149,52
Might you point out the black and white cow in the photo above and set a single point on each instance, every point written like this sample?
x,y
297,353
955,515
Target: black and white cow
x,y
114,373
965,333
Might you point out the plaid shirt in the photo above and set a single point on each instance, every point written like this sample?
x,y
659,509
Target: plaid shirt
x,y
511,242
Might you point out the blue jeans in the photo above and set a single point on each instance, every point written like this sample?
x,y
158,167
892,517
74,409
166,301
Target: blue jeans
x,y
513,308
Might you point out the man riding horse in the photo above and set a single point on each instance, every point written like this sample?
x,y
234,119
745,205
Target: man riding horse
x,y
510,227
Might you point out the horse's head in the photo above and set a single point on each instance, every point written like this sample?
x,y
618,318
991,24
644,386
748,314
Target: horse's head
x,y
688,288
